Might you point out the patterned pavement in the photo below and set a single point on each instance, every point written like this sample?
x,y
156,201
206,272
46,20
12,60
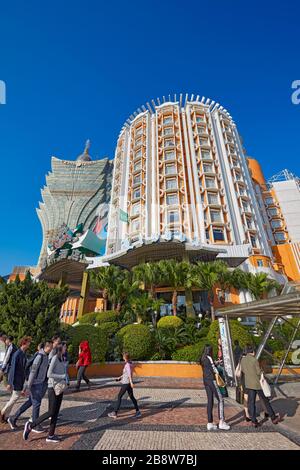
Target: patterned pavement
x,y
173,417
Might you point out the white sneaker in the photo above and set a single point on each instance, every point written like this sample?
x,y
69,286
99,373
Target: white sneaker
x,y
224,426
211,427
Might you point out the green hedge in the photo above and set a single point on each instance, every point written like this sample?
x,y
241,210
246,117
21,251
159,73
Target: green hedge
x,y
97,339
109,328
88,318
137,340
190,353
237,330
170,323
108,316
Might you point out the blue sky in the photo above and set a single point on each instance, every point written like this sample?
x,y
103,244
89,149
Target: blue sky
x,y
77,69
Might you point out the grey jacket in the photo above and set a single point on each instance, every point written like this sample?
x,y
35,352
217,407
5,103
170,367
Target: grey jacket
x,y
56,372
39,369
252,372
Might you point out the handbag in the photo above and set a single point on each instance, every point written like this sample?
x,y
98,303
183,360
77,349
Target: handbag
x,y
238,371
239,395
265,386
219,380
60,387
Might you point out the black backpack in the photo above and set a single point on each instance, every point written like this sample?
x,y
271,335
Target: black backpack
x,y
29,365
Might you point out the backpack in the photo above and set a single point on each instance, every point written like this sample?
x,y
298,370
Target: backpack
x,y
29,365
8,365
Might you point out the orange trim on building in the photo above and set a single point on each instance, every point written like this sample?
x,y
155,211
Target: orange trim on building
x,y
284,256
256,171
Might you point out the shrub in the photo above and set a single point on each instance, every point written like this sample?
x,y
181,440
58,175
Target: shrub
x,y
275,345
108,316
170,323
97,339
137,340
238,332
109,328
88,318
203,332
279,355
190,353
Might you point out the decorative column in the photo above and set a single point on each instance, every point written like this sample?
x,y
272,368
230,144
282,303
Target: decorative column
x,y
85,287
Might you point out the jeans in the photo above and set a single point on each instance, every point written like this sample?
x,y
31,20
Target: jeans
x,y
126,388
81,375
212,390
252,406
53,411
9,405
35,399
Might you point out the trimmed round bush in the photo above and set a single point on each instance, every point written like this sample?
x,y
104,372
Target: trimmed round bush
x,y
137,340
88,318
108,316
170,323
109,328
97,339
190,353
238,332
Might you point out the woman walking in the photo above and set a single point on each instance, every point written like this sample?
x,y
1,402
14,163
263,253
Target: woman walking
x,y
127,386
56,386
212,390
84,360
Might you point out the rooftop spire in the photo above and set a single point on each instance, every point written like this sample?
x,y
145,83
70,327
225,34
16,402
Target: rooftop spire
x,y
85,157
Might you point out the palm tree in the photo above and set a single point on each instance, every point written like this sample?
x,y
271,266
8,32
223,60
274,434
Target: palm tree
x,y
259,284
176,275
149,274
124,290
208,275
105,279
141,306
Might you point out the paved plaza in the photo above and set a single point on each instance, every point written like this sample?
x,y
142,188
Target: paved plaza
x,y
173,418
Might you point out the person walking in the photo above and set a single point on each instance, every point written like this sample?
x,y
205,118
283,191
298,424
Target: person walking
x,y
66,361
252,375
237,352
2,349
56,386
56,341
84,360
210,372
127,386
16,377
37,386
11,348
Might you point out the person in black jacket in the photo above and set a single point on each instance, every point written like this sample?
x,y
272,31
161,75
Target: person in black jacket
x,y
11,348
212,390
16,377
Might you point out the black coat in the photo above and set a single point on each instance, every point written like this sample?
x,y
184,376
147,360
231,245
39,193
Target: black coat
x,y
16,375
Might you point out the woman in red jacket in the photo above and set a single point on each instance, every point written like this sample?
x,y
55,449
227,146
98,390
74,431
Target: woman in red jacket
x,y
84,360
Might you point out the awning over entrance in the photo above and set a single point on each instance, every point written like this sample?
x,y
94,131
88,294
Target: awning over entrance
x,y
70,271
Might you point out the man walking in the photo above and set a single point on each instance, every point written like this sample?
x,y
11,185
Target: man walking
x,y
16,376
11,348
37,386
252,374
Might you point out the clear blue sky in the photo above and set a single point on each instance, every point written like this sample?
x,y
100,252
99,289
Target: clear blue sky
x,y
77,69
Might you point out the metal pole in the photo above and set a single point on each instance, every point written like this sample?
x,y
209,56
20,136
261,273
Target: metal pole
x,y
287,352
266,337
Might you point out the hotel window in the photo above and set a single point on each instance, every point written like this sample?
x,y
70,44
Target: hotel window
x,y
207,168
246,208
171,183
168,131
199,118
279,236
168,120
242,191
272,212
138,153
237,176
203,141
215,216
260,263
170,155
249,222
170,169
276,223
201,130
135,210
136,194
207,234
210,183
137,179
173,217
138,142
137,166
212,198
169,143
218,234
172,199
138,132
253,241
206,155
269,201
135,226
